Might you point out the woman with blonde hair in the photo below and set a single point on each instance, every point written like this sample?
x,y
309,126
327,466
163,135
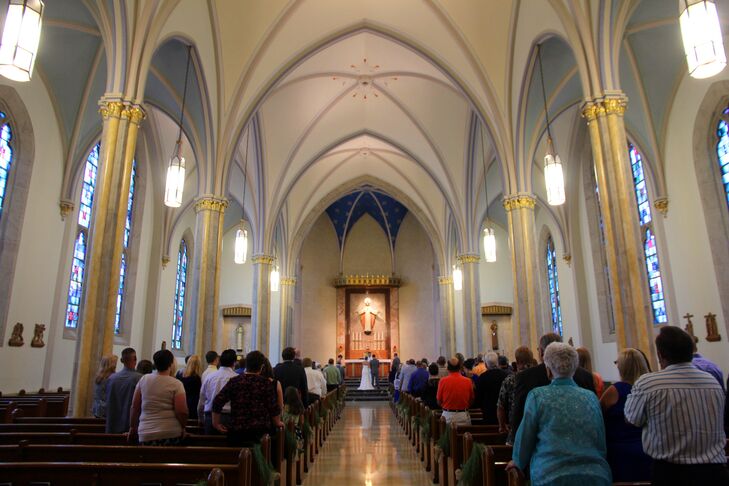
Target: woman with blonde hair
x,y
107,367
586,363
625,453
192,381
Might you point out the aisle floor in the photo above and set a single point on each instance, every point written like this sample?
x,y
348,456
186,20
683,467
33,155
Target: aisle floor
x,y
367,447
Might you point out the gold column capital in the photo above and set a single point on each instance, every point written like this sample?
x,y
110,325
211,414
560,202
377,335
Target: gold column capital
x,y
110,109
165,260
615,105
445,280
567,258
134,113
211,203
661,204
262,259
66,208
591,110
291,281
519,201
468,258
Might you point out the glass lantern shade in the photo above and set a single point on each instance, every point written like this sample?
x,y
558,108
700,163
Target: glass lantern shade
x,y
175,184
241,246
702,40
457,278
553,177
19,45
489,245
275,279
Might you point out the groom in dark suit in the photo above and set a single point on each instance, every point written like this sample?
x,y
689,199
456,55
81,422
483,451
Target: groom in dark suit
x,y
375,370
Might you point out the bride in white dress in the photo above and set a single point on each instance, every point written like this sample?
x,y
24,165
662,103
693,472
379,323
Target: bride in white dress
x,y
365,383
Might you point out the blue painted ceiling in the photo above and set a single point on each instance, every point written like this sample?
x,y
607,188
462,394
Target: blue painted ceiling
x,y
345,212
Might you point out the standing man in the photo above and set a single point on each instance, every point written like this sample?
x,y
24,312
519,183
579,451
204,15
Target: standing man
x,y
375,370
211,386
289,373
405,374
332,375
680,409
213,361
394,367
340,367
119,393
315,380
455,394
488,386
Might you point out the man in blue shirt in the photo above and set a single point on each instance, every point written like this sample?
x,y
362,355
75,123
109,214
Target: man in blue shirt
x,y
710,367
119,393
419,378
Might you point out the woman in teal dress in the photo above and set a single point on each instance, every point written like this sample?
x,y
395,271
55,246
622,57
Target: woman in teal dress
x,y
561,438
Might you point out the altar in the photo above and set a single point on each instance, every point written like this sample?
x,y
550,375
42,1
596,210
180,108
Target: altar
x,y
353,368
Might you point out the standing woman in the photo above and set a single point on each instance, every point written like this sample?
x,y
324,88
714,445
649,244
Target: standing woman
x,y
586,363
192,381
107,367
267,372
159,406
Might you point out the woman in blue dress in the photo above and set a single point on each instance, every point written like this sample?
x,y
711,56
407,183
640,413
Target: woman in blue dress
x,y
625,453
561,438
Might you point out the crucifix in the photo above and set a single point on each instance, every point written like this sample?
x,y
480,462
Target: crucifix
x,y
690,327
711,328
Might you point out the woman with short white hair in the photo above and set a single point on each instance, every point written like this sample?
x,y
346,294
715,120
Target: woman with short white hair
x,y
562,437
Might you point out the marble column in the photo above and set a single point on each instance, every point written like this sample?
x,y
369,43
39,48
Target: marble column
x,y
103,256
261,319
209,216
471,303
288,286
623,242
448,316
528,294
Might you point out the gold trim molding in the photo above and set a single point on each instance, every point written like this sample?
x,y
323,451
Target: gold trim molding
x,y
661,204
263,260
109,109
468,258
66,208
496,310
367,281
445,280
288,281
237,311
520,201
210,203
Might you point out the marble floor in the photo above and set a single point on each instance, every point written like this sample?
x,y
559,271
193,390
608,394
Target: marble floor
x,y
367,448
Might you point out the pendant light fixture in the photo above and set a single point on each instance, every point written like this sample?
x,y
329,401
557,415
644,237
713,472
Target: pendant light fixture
x,y
553,175
489,239
175,184
19,45
702,40
275,279
241,236
457,278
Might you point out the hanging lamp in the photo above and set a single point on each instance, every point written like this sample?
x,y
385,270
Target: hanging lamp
x,y
175,183
275,279
702,40
241,236
457,278
489,239
553,174
21,34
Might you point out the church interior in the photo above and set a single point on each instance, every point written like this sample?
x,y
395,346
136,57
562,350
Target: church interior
x,y
358,177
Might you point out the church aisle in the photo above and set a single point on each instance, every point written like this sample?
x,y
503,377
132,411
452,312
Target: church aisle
x,y
367,448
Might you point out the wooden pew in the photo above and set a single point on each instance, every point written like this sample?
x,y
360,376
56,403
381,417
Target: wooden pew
x,y
117,474
23,426
55,405
456,458
493,461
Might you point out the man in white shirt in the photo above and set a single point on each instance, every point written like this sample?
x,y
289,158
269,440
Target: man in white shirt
x,y
213,361
315,380
211,386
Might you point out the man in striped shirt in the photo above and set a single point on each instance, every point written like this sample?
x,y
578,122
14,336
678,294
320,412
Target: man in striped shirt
x,y
680,409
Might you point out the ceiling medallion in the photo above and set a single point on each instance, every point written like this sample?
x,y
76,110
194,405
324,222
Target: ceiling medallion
x,y
364,74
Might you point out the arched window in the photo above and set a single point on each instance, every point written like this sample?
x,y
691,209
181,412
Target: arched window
x,y
78,265
126,242
655,283
722,150
178,315
6,156
553,285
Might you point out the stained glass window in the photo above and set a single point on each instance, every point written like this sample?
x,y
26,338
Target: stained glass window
x,y
179,304
553,284
78,264
6,157
127,235
655,283
722,150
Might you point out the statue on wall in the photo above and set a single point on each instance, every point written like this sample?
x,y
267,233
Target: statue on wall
x,y
690,327
571,342
37,341
163,345
368,314
494,336
16,339
711,328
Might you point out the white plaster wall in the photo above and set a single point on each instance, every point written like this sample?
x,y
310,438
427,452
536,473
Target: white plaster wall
x,y
315,331
39,252
418,315
236,281
366,249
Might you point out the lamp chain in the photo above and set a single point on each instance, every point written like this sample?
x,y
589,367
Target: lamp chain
x,y
544,93
184,94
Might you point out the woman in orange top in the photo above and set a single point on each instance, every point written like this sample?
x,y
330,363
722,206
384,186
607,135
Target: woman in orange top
x,y
586,362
